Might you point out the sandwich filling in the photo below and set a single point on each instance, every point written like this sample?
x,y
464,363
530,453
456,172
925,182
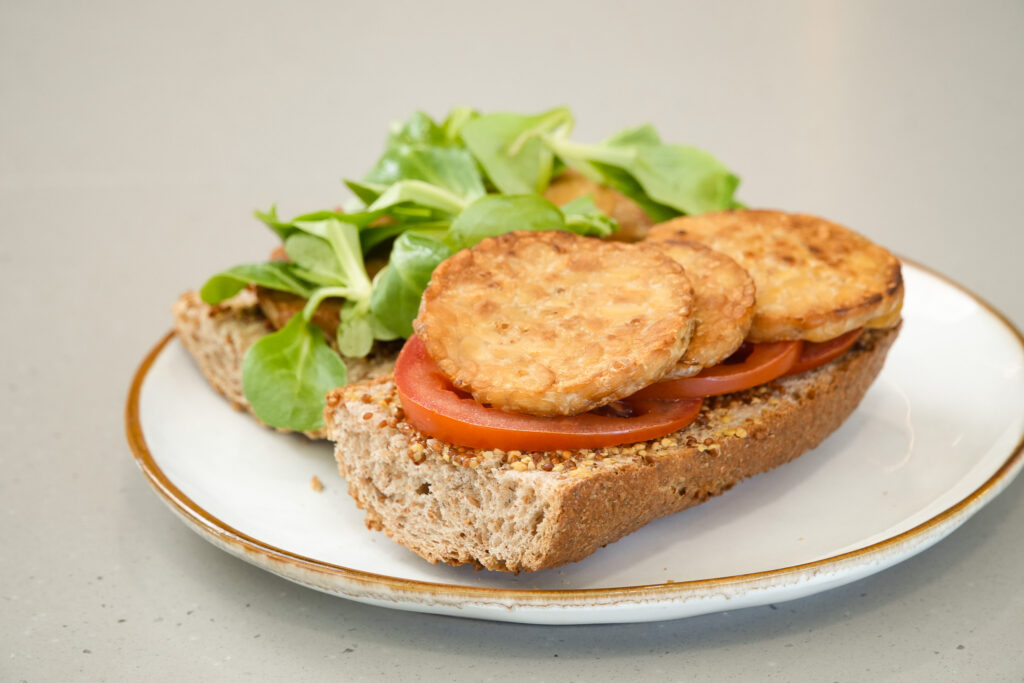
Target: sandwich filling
x,y
446,376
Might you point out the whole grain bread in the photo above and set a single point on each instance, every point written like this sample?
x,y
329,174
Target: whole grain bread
x,y
514,511
218,336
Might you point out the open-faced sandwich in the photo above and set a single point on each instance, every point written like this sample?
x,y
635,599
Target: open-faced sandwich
x,y
557,389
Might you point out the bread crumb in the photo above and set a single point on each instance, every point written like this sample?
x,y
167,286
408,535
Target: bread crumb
x,y
316,484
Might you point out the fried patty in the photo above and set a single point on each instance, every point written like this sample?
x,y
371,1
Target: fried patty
x,y
815,279
551,323
723,305
633,221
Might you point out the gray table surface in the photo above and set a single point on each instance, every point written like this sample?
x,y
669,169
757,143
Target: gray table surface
x,y
135,138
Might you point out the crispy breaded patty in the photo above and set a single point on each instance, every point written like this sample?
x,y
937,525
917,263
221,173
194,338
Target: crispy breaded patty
x,y
815,279
550,323
723,305
633,221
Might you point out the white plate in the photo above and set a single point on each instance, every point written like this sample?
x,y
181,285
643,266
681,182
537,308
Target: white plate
x,y
937,437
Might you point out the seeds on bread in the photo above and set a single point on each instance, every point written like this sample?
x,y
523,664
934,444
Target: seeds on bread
x,y
515,511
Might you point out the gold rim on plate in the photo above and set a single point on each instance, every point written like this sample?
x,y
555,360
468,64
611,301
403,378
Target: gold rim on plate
x,y
360,584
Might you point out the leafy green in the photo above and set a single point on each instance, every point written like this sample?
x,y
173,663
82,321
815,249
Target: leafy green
x,y
425,197
366,192
273,275
684,178
399,286
457,118
421,150
344,260
285,228
451,168
511,150
314,258
285,376
621,181
421,193
419,129
355,329
639,135
584,218
497,214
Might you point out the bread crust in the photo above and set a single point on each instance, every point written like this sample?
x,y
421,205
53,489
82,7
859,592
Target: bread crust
x,y
493,509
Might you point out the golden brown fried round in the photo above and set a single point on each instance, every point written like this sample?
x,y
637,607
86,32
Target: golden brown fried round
x,y
550,323
723,305
633,221
815,279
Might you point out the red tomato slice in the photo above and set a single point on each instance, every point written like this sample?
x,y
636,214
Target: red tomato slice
x,y
764,363
816,354
433,406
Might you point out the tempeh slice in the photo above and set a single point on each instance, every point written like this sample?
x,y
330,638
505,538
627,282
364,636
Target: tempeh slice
x,y
723,305
815,279
551,323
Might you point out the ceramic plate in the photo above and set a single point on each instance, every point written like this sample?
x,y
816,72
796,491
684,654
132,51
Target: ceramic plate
x,y
927,448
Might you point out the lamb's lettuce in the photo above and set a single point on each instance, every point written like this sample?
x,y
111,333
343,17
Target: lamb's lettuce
x,y
285,376
497,214
438,188
511,150
584,218
636,162
272,275
398,288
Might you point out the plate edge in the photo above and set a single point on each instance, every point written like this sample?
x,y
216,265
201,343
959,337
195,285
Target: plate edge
x,y
361,585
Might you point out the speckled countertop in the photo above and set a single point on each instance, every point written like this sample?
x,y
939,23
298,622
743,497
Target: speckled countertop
x,y
135,139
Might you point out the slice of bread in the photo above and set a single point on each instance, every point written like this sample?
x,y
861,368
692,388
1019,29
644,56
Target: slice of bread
x,y
218,336
513,511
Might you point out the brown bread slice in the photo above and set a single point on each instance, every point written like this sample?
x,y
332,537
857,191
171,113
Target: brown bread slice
x,y
515,512
217,337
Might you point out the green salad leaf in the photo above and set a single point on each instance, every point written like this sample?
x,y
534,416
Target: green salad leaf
x,y
397,290
421,150
285,376
366,192
584,218
356,329
511,150
457,118
497,214
273,275
451,168
438,188
420,193
684,178
328,250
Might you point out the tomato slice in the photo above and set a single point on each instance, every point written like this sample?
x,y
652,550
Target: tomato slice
x,y
816,354
762,364
435,407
